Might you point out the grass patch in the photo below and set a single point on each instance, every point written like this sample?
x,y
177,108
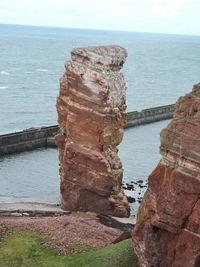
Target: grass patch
x,y
181,117
140,212
83,248
24,248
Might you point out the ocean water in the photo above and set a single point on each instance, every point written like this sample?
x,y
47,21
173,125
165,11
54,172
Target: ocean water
x,y
158,70
32,176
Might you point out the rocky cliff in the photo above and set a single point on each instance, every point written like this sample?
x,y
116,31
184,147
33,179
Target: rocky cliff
x,y
91,115
168,228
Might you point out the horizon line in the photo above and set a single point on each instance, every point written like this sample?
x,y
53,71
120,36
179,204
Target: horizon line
x,y
95,29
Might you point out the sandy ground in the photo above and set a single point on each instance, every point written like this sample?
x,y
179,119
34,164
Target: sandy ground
x,y
83,228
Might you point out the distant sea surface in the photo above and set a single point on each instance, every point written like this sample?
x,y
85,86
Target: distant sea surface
x,y
158,70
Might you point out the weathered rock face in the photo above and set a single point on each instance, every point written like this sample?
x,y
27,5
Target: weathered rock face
x,y
91,114
168,230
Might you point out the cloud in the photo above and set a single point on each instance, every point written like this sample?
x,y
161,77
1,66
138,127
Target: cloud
x,y
59,2
111,7
98,5
120,11
166,8
134,15
4,11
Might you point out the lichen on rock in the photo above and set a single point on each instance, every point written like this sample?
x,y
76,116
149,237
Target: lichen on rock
x,y
91,114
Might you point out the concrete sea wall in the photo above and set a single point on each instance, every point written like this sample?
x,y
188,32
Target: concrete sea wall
x,y
27,139
44,136
136,118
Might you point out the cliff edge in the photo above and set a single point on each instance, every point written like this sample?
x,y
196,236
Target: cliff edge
x,y
168,228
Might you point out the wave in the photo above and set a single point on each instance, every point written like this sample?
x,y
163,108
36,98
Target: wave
x,y
4,72
42,70
3,87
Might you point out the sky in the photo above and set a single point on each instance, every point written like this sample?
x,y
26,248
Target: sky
x,y
159,16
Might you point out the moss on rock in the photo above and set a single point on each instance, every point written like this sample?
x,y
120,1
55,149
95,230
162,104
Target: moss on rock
x,y
140,212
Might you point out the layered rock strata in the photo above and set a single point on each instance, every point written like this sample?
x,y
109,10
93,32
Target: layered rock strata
x,y
168,228
91,115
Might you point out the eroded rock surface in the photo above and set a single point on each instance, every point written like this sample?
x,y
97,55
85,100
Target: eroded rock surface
x,y
168,230
91,114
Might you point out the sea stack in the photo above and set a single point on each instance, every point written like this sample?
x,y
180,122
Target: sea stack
x,y
168,228
91,115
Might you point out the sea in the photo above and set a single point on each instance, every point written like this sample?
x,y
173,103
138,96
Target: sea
x,y
159,69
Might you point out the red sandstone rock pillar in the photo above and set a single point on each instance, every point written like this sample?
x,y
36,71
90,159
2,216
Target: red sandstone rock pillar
x,y
168,229
91,114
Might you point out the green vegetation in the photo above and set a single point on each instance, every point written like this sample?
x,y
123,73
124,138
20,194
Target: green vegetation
x,y
194,93
197,86
25,248
83,248
181,117
141,209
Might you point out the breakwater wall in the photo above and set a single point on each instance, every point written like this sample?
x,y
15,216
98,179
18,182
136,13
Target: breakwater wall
x,y
44,136
149,115
27,139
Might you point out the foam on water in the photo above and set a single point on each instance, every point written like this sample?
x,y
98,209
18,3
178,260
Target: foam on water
x,y
4,72
44,70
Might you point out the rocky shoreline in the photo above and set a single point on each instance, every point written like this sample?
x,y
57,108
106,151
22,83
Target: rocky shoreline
x,y
33,209
134,191
138,187
64,227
